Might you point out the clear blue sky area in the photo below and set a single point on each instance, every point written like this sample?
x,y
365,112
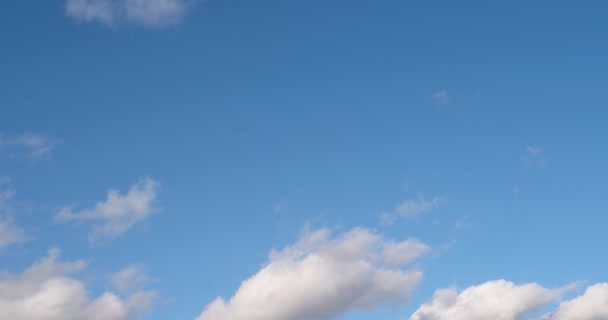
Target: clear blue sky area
x,y
476,127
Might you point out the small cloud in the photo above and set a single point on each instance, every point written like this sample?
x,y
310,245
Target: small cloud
x,y
146,13
129,279
10,233
118,213
132,280
34,146
323,277
279,207
410,208
534,158
462,223
441,97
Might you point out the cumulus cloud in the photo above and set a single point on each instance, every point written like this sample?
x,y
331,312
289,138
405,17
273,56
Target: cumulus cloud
x,y
34,146
592,305
441,97
46,291
500,299
148,13
534,158
118,213
410,208
321,277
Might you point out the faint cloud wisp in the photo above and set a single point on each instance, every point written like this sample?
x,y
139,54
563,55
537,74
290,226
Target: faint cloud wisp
x,y
534,158
146,13
410,208
441,97
34,146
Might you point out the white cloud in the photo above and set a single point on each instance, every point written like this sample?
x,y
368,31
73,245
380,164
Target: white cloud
x,y
441,97
500,300
118,213
35,146
592,305
410,208
148,13
534,158
321,277
46,291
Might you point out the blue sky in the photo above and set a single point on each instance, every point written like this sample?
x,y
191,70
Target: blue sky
x,y
322,160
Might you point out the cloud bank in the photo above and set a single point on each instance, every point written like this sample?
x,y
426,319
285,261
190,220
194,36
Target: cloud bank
x,y
118,213
321,277
147,13
45,291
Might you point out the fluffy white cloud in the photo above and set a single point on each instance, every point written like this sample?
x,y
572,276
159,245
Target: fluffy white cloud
x,y
45,291
119,212
504,300
410,208
592,305
149,13
35,146
320,277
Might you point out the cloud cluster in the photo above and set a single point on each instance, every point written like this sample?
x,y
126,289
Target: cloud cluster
x,y
118,213
410,208
504,300
45,291
148,13
34,146
321,277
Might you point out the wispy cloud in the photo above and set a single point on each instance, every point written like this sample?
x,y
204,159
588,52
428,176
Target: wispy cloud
x,y
147,13
118,213
462,222
48,290
410,208
534,158
322,277
35,146
441,97
131,281
10,232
